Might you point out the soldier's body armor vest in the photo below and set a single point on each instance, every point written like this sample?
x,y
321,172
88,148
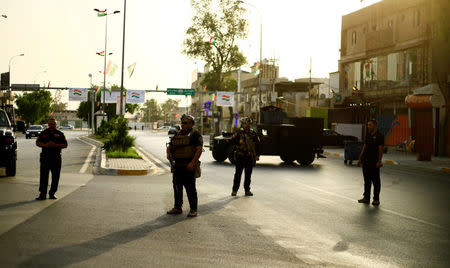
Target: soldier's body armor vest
x,y
181,146
248,145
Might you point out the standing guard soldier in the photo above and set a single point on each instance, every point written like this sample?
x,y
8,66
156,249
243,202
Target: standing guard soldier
x,y
246,153
51,141
183,152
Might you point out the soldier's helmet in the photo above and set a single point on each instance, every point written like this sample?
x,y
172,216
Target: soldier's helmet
x,y
187,118
246,120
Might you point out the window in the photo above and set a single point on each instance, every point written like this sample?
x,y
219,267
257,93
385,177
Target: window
x,y
416,21
354,38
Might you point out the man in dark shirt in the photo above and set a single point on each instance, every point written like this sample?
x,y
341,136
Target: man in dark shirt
x,y
370,158
184,151
51,141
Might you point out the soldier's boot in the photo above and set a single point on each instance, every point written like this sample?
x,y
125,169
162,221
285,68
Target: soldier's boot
x,y
175,211
248,193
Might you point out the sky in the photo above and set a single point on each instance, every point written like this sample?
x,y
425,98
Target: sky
x,y
60,39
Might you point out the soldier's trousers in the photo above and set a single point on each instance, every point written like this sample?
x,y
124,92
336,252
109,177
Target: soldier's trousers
x,y
372,175
184,178
48,164
243,163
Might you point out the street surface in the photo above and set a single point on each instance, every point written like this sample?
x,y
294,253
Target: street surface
x,y
299,216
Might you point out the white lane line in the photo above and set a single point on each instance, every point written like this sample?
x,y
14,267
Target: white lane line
x,y
87,161
153,159
382,209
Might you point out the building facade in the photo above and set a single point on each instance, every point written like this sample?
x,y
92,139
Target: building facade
x,y
388,51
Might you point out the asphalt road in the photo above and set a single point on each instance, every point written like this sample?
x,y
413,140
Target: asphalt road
x,y
299,216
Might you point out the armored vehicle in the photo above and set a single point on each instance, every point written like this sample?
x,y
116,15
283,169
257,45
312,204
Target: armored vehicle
x,y
293,139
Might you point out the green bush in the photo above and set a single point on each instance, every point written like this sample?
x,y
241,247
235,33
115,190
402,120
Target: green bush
x,y
119,140
106,128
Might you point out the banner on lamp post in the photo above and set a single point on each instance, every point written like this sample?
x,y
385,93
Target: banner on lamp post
x,y
76,94
135,96
111,97
225,99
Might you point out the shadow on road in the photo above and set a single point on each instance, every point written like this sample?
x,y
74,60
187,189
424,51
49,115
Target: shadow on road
x,y
17,204
282,165
64,256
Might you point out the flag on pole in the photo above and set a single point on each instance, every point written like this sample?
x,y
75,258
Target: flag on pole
x,y
112,70
98,91
131,69
101,53
101,13
204,88
108,67
212,40
257,68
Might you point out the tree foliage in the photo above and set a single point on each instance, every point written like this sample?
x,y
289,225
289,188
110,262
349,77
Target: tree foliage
x,y
152,111
58,106
84,110
118,139
168,108
34,107
227,25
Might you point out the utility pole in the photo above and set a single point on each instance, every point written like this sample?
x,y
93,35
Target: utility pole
x,y
123,57
274,74
310,82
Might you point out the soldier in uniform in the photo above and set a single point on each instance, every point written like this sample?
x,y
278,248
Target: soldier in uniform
x,y
51,141
184,151
246,142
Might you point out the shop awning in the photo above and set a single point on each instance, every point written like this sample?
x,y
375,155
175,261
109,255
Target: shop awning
x,y
424,101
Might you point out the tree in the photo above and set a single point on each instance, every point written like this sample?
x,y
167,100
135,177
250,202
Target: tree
x,y
229,84
152,111
34,107
84,110
226,26
168,109
58,106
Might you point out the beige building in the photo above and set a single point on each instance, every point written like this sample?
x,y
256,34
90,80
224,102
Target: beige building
x,y
391,50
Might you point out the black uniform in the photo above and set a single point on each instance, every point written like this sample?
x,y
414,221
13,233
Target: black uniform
x,y
369,161
246,150
50,160
182,176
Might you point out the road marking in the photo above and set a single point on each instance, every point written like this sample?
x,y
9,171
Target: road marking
x,y
87,161
154,159
382,209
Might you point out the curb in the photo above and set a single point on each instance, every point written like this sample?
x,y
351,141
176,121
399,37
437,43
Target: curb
x,y
120,172
388,162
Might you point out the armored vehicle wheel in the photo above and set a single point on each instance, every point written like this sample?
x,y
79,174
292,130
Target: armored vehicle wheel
x,y
11,168
306,159
219,155
287,158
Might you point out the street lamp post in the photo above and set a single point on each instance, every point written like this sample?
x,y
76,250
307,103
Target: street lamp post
x,y
106,54
260,55
9,66
123,57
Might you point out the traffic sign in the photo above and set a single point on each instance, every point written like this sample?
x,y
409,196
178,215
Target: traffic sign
x,y
5,80
181,91
24,87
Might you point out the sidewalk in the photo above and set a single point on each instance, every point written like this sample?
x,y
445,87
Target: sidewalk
x,y
394,157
